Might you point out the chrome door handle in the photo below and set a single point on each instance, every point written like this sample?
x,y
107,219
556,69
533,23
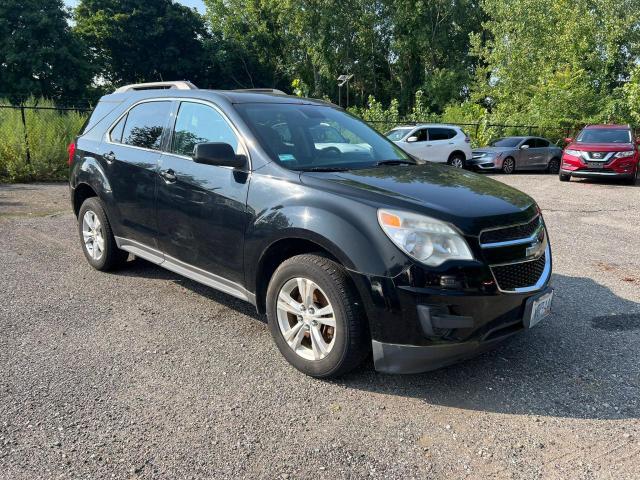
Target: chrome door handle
x,y
110,157
169,176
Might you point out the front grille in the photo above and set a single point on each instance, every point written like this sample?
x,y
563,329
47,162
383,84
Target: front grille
x,y
510,233
519,275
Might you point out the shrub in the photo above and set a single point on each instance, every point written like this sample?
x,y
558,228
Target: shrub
x,y
48,134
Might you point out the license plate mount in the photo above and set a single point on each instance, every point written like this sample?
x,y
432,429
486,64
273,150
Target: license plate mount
x,y
537,308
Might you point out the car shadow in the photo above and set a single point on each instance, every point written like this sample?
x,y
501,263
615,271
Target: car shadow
x,y
582,362
144,269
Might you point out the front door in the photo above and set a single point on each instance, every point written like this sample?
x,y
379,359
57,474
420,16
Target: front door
x,y
419,148
201,209
130,157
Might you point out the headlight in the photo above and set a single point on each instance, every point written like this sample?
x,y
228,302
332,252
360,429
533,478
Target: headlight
x,y
626,153
425,239
574,153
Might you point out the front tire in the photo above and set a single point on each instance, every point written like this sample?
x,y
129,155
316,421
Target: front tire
x,y
554,166
508,165
98,243
457,161
315,316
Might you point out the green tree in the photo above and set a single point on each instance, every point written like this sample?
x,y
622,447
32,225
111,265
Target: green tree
x,y
39,55
555,61
140,40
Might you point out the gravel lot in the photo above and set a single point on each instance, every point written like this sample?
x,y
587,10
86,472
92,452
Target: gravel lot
x,y
144,374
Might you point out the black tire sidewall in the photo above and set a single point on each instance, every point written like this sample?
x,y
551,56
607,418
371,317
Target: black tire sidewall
x,y
110,249
554,169
334,360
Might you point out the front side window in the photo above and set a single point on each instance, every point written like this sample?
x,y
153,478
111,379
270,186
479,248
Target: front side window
x,y
604,135
198,123
144,124
397,134
530,142
314,137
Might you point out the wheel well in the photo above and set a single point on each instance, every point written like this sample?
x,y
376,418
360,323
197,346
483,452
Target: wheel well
x,y
80,194
277,253
457,152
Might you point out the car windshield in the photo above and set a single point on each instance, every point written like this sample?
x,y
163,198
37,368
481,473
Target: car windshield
x,y
605,135
317,137
397,134
508,142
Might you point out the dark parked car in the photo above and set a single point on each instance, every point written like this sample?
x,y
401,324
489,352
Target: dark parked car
x,y
346,250
517,153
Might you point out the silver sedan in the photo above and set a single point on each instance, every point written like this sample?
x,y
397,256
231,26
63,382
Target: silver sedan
x,y
517,153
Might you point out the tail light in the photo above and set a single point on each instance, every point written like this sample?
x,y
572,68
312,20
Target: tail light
x,y
72,152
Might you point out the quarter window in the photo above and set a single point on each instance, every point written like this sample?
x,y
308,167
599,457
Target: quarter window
x,y
198,123
116,132
144,124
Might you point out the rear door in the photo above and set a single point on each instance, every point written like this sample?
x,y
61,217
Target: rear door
x,y
441,142
130,155
201,209
526,156
542,154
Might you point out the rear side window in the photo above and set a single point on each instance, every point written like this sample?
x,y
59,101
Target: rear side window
x,y
441,134
198,123
144,124
541,143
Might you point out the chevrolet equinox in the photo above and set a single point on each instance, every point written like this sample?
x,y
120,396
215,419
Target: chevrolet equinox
x,y
347,243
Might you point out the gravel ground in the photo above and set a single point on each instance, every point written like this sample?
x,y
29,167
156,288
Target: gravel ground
x,y
143,374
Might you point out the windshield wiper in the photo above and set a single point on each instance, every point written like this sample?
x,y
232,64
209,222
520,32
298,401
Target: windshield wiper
x,y
324,169
395,162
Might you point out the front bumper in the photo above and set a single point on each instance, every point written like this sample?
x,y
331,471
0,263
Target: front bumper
x,y
484,163
423,320
603,173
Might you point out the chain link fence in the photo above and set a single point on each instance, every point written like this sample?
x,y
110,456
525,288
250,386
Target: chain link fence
x,y
34,140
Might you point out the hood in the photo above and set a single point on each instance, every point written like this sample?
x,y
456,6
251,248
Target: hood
x,y
468,200
601,147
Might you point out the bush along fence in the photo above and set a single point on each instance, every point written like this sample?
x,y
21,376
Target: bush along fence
x,y
34,135
33,140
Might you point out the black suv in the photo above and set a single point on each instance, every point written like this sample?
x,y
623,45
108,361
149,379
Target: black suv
x,y
347,243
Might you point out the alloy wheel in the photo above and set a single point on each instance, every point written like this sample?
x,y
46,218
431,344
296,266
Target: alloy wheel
x,y
93,235
457,162
508,166
306,318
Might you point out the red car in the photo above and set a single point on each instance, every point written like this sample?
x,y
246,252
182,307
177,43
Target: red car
x,y
601,151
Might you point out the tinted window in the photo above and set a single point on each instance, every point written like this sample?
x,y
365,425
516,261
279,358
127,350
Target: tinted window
x,y
397,134
604,135
509,142
541,143
441,134
422,134
144,124
116,132
286,132
198,123
531,142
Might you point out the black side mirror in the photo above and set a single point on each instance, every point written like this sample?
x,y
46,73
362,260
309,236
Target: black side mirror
x,y
220,154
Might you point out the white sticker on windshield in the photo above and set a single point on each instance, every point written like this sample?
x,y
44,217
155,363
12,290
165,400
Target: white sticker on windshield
x,y
286,157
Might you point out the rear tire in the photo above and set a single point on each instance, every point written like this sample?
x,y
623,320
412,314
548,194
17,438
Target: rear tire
x,y
564,177
322,345
508,165
98,243
554,166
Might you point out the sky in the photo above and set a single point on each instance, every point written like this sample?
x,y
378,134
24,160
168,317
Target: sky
x,y
199,4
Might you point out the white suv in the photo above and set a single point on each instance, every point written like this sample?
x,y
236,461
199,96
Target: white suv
x,y
434,143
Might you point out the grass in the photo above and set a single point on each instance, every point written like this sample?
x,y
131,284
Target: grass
x,y
48,133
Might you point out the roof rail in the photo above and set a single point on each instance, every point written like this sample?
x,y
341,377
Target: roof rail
x,y
176,85
274,91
